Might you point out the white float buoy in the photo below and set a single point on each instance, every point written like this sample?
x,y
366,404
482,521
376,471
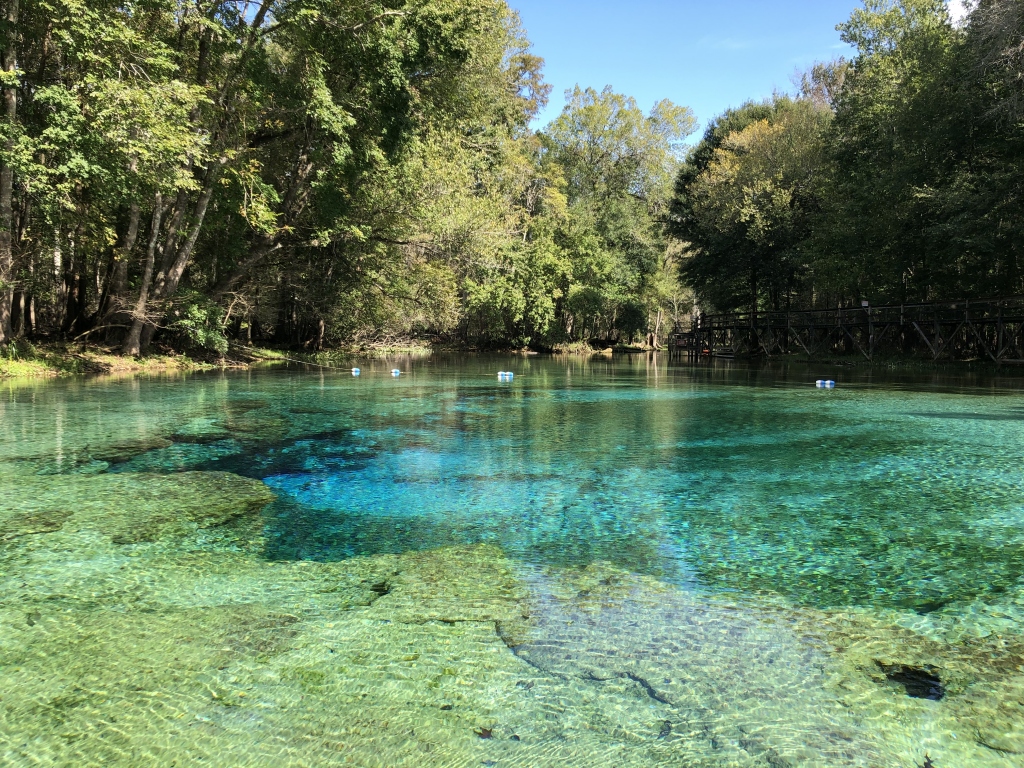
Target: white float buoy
x,y
356,371
396,373
825,384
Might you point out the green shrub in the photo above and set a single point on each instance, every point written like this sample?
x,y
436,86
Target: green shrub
x,y
198,324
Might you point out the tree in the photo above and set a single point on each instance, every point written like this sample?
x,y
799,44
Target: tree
x,y
996,36
269,158
745,201
9,72
893,177
618,164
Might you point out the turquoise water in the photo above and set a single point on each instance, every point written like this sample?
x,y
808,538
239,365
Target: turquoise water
x,y
867,495
885,518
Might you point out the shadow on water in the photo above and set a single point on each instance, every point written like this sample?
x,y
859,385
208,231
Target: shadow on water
x,y
959,378
297,532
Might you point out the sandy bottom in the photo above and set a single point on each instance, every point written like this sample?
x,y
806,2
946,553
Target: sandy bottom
x,y
135,631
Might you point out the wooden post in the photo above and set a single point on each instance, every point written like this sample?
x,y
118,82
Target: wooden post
x,y
1000,333
871,335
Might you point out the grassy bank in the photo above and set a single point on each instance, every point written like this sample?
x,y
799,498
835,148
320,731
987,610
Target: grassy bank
x,y
24,360
342,357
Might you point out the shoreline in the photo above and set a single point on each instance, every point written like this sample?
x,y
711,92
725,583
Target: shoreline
x,y
59,359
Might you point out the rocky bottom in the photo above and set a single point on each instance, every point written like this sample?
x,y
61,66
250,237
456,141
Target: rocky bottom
x,y
136,632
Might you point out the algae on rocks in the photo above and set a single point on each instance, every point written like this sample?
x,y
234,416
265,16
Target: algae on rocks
x,y
168,651
129,508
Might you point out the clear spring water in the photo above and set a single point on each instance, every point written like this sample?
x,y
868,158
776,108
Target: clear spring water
x,y
769,560
868,495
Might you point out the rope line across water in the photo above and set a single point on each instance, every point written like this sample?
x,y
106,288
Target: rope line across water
x,y
316,365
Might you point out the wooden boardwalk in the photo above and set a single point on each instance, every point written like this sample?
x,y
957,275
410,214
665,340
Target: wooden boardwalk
x,y
990,329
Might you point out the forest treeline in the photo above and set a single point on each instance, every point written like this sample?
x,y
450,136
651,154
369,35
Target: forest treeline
x,y
323,172
315,172
894,177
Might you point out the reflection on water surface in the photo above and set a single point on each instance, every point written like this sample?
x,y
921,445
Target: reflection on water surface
x,y
601,563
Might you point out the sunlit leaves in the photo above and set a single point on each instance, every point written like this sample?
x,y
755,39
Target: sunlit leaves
x,y
917,190
608,146
750,203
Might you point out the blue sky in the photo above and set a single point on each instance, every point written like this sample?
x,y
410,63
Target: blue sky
x,y
707,55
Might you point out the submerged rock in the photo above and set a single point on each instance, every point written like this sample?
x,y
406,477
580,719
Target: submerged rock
x,y
917,682
456,584
201,431
257,426
130,508
205,654
242,405
120,452
28,523
993,713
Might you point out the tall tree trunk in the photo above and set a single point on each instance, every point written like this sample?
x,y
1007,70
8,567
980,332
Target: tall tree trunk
x,y
294,202
30,309
170,244
18,315
82,320
752,335
10,98
58,279
167,250
181,258
70,284
267,245
133,344
175,262
117,274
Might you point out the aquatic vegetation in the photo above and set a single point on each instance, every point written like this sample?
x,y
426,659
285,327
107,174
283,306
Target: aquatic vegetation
x,y
130,508
216,655
576,571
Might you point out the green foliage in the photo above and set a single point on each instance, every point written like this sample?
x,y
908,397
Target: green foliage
x,y
197,323
325,172
894,177
922,205
746,208
882,27
616,166
608,147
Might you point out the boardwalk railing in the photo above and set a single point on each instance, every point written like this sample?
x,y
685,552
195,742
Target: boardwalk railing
x,y
991,329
